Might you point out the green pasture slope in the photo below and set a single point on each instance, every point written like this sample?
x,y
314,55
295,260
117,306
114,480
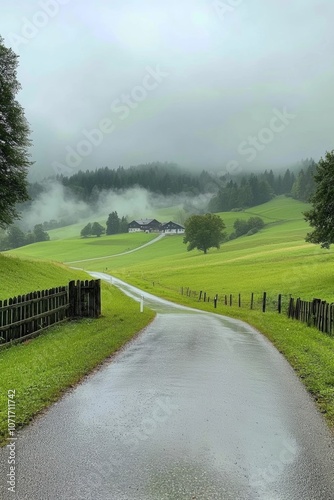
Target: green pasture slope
x,y
75,249
40,370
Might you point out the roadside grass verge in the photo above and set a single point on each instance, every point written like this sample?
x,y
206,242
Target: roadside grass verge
x,y
40,370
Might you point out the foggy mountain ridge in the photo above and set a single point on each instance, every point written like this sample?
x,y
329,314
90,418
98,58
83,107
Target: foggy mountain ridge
x,y
83,199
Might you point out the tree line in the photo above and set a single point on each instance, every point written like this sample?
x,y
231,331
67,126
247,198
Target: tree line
x,y
15,237
114,225
255,189
160,178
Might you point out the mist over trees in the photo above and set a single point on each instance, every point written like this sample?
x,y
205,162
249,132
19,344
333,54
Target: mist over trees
x,y
57,203
161,178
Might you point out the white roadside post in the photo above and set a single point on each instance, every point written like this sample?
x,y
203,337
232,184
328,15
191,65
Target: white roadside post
x,y
142,304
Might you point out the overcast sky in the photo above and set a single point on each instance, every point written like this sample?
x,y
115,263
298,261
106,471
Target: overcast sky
x,y
224,85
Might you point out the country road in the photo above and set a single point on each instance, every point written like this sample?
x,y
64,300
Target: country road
x,y
198,406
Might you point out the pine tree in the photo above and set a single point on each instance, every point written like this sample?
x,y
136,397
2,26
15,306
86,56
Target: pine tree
x,y
321,215
113,224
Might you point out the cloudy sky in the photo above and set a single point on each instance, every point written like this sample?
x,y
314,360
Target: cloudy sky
x,y
221,85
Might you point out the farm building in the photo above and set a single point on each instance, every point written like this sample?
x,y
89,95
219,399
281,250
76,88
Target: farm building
x,y
146,225
172,228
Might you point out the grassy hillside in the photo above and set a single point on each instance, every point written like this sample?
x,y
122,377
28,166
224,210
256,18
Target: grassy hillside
x,y
18,276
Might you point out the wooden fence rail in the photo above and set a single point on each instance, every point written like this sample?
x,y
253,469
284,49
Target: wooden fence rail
x,y
25,316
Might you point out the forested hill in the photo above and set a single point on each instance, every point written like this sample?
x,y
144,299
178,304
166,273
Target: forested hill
x,y
163,178
228,192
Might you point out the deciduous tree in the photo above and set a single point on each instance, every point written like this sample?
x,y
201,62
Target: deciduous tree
x,y
97,229
203,232
86,231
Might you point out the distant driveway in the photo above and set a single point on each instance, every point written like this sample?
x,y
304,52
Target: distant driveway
x,y
198,406
122,253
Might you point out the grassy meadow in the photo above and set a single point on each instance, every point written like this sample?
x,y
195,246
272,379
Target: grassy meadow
x,y
75,249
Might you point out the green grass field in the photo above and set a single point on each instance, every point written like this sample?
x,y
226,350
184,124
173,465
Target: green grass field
x,y
73,249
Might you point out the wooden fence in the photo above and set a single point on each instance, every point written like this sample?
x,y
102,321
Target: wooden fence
x,y
85,299
317,313
27,315
261,301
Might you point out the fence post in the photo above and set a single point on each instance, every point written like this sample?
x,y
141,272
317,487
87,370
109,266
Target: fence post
x,y
231,299
264,303
279,303
252,301
71,299
239,300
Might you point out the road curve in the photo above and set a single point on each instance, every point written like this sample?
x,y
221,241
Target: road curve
x,y
198,406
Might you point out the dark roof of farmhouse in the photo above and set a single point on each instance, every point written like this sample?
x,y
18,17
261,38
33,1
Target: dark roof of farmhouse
x,y
143,222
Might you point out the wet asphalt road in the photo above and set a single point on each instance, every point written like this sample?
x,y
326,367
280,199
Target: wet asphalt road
x,y
197,407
